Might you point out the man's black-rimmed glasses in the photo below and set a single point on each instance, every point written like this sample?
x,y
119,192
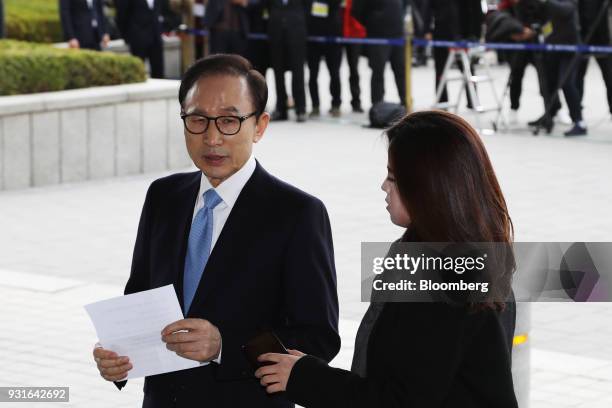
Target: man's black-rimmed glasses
x,y
228,125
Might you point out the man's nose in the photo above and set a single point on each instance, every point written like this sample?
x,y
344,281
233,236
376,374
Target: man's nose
x,y
212,135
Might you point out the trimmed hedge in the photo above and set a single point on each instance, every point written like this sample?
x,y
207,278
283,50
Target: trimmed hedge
x,y
33,20
30,68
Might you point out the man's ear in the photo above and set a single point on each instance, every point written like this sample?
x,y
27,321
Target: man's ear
x,y
261,126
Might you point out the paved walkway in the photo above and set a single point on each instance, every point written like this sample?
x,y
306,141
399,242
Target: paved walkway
x,y
64,246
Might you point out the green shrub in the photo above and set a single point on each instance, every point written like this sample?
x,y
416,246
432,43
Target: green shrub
x,y
33,20
30,67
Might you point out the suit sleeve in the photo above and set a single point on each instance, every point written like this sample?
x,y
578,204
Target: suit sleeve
x,y
560,8
103,24
66,19
310,300
139,272
122,17
423,372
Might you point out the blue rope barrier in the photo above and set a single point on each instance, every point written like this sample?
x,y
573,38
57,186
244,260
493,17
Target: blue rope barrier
x,y
588,49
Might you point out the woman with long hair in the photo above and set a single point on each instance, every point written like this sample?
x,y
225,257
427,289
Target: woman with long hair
x,y
440,187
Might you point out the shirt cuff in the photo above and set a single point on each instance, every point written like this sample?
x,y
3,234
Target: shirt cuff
x,y
218,359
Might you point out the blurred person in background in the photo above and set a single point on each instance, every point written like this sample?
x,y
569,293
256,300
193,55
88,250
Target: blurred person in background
x,y
140,23
287,41
84,24
452,21
351,28
418,9
384,19
228,22
520,59
325,20
258,50
562,27
594,21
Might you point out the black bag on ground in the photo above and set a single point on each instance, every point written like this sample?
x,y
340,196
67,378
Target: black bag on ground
x,y
384,114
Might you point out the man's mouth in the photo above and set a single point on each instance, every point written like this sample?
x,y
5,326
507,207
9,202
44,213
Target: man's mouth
x,y
214,159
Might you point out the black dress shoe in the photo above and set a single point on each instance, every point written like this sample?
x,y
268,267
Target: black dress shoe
x,y
357,108
278,116
301,117
577,130
544,122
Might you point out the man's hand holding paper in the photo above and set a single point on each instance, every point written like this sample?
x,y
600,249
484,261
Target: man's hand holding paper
x,y
129,328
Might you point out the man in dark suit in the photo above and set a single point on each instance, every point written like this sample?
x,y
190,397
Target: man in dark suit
x,y
140,24
228,22
325,20
244,250
287,39
384,19
84,24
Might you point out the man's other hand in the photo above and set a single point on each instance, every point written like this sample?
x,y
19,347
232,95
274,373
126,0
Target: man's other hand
x,y
111,366
195,339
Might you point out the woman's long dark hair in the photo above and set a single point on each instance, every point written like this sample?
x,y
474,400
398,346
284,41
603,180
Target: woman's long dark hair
x,y
448,185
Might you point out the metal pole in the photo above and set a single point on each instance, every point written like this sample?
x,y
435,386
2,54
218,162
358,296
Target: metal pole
x,y
408,49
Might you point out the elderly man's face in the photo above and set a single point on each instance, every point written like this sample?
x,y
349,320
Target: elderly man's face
x,y
218,155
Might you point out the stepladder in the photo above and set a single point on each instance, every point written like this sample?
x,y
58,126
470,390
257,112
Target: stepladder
x,y
470,84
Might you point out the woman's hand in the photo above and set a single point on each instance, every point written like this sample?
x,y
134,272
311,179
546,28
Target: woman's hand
x,y
275,376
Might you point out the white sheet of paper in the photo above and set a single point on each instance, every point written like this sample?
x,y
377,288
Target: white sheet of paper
x,y
131,326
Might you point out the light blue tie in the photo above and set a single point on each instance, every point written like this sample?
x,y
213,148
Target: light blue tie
x,y
198,247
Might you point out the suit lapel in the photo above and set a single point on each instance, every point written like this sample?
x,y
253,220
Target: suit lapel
x,y
235,235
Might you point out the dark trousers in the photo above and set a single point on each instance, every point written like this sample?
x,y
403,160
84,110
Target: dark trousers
x,y
353,52
558,66
518,63
258,52
153,52
333,58
228,42
288,48
378,56
440,56
605,65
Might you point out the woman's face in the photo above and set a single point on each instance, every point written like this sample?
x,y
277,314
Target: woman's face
x,y
397,210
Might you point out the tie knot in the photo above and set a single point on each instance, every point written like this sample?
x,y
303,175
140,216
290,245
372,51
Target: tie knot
x,y
211,199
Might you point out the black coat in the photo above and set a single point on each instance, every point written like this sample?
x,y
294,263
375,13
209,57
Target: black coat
x,y
381,18
139,25
453,20
214,15
589,11
563,15
77,19
418,355
327,26
272,267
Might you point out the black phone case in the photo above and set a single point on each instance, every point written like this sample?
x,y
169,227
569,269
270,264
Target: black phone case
x,y
265,342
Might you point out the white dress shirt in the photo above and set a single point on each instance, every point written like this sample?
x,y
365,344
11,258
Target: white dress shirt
x,y
228,190
151,4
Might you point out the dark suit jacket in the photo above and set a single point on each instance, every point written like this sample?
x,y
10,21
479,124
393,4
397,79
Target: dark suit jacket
x,y
139,25
77,22
214,15
271,268
381,18
419,355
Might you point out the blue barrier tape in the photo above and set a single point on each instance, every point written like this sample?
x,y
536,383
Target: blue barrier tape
x,y
516,46
590,49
